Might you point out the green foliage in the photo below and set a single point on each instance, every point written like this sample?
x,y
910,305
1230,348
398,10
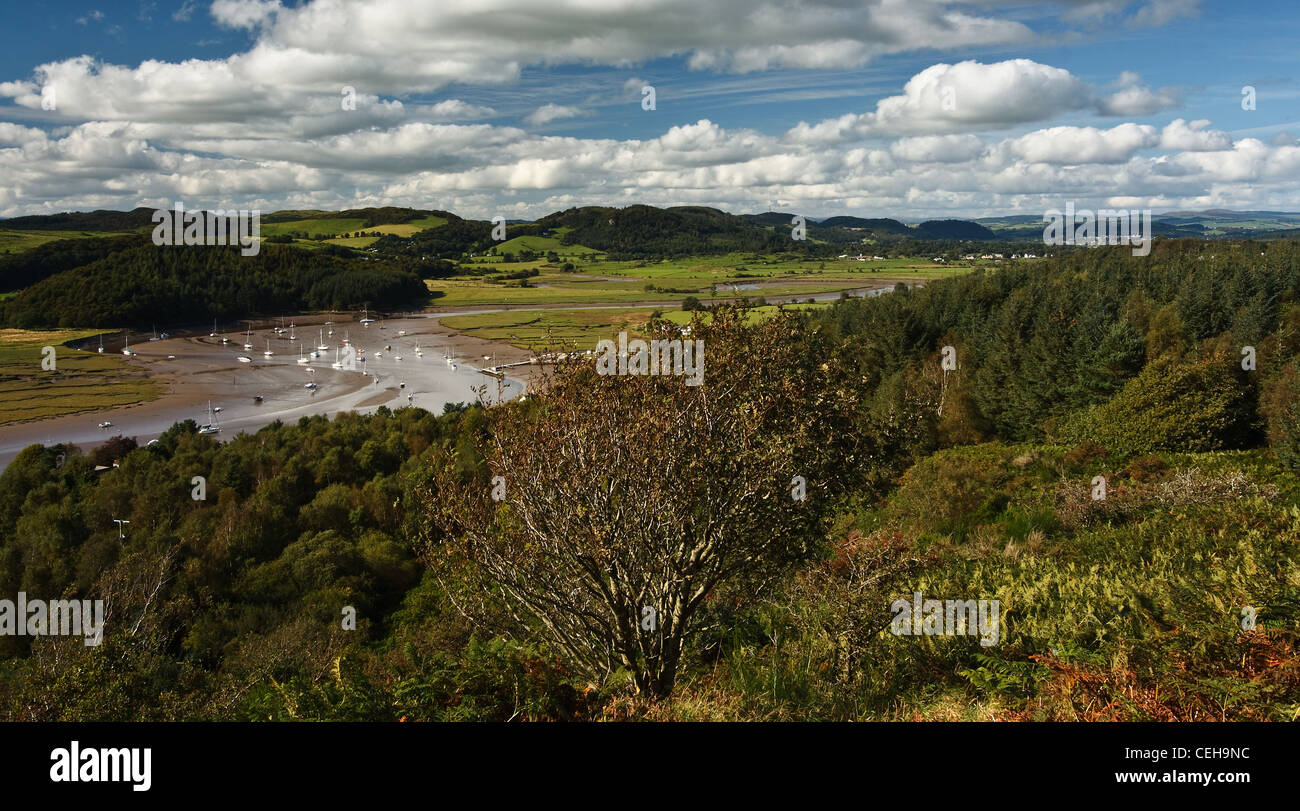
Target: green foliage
x,y
1172,405
195,284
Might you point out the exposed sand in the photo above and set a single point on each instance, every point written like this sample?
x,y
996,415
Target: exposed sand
x,y
206,370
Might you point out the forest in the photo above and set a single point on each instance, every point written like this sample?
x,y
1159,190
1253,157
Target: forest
x,y
946,440
129,281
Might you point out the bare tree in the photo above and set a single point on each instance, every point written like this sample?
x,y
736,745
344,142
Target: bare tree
x,y
629,500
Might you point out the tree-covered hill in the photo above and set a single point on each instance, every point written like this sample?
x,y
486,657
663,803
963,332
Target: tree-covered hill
x,y
192,284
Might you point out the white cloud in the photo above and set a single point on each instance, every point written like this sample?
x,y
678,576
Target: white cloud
x,y
937,148
186,11
1134,99
265,128
551,112
455,109
1075,145
1193,137
248,14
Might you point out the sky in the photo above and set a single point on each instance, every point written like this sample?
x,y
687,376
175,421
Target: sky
x,y
912,109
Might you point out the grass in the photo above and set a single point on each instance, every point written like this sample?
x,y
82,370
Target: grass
x,y
330,225
707,278
17,241
81,381
345,225
539,244
574,328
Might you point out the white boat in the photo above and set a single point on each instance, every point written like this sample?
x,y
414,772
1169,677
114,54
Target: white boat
x,y
301,358
126,345
211,426
321,347
213,334
345,336
106,424
245,359
268,351
366,320
336,364
248,340
101,344
311,386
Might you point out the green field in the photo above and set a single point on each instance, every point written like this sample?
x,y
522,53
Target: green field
x,y
580,329
81,381
329,225
707,278
346,225
541,245
17,241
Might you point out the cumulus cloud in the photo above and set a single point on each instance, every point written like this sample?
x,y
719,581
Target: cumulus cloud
x,y
974,96
1194,137
967,96
264,128
248,14
937,148
1075,145
1133,98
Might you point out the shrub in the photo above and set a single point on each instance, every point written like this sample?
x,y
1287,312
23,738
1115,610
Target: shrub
x,y
1171,405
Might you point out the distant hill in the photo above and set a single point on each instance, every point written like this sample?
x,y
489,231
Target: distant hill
x,y
100,220
953,229
641,231
769,218
878,226
1209,224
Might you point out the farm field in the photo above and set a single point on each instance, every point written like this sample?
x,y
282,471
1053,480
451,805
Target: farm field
x,y
14,240
84,381
347,225
707,278
542,330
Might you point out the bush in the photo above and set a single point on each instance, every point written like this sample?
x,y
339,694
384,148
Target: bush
x,y
1171,405
1280,408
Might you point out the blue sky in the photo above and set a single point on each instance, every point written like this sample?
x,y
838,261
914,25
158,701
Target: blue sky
x,y
1105,101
